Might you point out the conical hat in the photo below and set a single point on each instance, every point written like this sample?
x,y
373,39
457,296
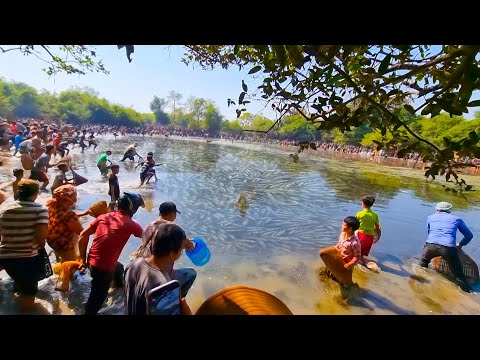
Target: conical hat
x,y
243,300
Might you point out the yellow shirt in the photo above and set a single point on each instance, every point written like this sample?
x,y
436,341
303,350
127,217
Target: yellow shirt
x,y
368,219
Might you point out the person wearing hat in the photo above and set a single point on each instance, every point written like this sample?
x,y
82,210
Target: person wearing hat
x,y
112,231
19,250
63,224
441,241
131,152
168,214
144,274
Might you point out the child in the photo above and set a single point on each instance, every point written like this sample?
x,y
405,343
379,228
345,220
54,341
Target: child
x,y
113,186
369,226
61,179
18,173
348,244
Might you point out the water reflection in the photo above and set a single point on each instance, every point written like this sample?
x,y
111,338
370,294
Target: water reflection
x,y
265,218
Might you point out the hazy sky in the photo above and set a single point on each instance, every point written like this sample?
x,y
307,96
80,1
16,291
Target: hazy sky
x,y
155,70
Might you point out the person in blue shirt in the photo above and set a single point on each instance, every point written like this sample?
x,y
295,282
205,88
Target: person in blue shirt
x,y
441,241
17,140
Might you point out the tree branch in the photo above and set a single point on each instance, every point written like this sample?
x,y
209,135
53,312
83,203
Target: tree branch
x,y
381,107
262,131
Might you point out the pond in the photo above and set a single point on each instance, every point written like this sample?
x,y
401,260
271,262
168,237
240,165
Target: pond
x,y
292,211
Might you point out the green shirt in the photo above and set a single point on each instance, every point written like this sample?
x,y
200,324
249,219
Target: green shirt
x,y
368,219
103,158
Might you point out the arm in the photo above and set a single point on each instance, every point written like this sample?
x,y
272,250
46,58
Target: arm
x,y
135,153
357,255
184,308
467,234
137,230
41,228
378,232
41,232
83,241
188,244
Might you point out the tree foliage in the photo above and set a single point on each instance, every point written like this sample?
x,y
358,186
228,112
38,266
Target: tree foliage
x,y
157,106
321,81
76,106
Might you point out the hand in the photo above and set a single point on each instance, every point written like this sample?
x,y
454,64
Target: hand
x,y
184,308
459,247
82,269
347,266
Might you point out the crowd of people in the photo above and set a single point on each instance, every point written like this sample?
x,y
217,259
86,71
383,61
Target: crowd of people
x,y
26,226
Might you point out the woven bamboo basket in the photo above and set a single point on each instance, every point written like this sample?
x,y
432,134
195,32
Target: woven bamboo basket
x,y
470,268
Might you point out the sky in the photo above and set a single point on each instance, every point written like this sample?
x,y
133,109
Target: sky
x,y
154,70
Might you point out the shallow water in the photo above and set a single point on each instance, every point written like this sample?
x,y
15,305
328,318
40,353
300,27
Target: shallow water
x,y
292,210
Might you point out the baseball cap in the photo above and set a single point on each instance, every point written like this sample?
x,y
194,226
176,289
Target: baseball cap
x,y
168,207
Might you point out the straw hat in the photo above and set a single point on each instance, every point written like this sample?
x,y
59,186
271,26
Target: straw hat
x,y
243,300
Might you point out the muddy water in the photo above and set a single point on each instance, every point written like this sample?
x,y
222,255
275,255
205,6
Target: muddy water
x,y
272,240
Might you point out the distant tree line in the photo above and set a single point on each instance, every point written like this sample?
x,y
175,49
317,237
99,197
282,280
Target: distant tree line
x,y
83,106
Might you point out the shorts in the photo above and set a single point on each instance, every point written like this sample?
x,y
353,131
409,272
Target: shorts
x,y
145,175
26,272
38,175
366,242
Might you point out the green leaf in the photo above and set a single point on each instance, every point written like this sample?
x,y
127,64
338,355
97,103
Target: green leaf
x,y
382,69
255,69
244,86
280,54
436,109
473,136
427,109
409,108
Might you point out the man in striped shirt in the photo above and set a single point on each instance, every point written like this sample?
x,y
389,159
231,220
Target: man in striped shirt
x,y
23,229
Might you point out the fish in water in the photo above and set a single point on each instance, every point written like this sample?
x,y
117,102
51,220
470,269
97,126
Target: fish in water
x,y
241,203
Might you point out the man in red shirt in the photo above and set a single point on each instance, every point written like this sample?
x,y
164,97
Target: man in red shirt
x,y
112,231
